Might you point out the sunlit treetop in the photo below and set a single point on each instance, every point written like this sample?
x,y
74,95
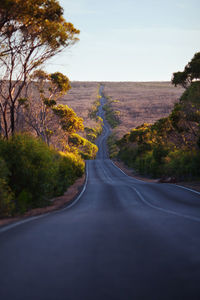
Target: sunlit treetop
x,y
41,18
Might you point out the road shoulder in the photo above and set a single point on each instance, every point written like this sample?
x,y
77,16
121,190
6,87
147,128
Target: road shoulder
x,y
194,185
57,203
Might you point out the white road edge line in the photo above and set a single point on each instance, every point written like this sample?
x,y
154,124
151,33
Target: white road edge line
x,y
126,174
171,212
180,186
185,188
79,196
8,227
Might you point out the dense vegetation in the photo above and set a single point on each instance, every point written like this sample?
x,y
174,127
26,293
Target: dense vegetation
x,y
82,146
93,132
112,116
31,173
171,146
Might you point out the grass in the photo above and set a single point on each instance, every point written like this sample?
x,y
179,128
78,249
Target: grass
x,y
140,102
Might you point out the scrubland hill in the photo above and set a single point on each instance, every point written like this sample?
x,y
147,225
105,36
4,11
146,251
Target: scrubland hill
x,y
134,103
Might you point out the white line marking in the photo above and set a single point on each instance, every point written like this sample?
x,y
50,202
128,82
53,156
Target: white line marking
x,y
107,176
8,227
80,195
182,187
185,188
126,174
163,209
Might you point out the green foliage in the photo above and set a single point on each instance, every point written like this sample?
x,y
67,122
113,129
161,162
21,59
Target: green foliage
x,y
94,110
175,115
35,173
68,119
193,67
190,73
71,166
93,133
139,134
180,78
128,155
60,81
159,152
112,146
49,103
22,101
111,115
183,164
192,94
44,19
85,148
6,195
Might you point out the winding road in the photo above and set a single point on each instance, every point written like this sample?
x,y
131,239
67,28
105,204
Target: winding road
x,y
121,239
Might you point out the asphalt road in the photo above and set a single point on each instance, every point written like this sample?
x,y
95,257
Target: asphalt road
x,y
122,239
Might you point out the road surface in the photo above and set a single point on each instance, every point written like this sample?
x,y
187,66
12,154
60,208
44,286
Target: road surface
x,y
122,239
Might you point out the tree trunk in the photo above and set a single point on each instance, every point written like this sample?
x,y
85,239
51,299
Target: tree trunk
x,y
12,118
5,124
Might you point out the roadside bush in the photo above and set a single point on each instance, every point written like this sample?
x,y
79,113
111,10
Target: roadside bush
x,y
159,152
128,155
93,111
6,196
36,171
112,146
71,166
192,93
85,148
111,116
93,133
183,164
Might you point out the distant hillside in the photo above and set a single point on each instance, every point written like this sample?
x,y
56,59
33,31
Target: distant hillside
x,y
140,102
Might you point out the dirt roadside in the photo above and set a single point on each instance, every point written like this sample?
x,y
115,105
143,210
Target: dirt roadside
x,y
194,185
57,203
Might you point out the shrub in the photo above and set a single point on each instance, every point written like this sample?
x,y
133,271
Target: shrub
x,y
85,148
36,171
112,146
159,152
6,195
184,164
111,116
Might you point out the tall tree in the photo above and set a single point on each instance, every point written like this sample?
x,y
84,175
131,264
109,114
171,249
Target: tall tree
x,y
31,32
51,122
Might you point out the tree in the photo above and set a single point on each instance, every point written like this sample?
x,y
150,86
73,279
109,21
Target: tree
x,y
190,73
68,120
51,122
42,93
31,32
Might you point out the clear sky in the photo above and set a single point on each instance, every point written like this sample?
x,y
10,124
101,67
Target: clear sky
x,y
129,40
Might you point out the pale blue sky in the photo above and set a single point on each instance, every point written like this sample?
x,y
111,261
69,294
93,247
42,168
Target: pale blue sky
x,y
129,40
